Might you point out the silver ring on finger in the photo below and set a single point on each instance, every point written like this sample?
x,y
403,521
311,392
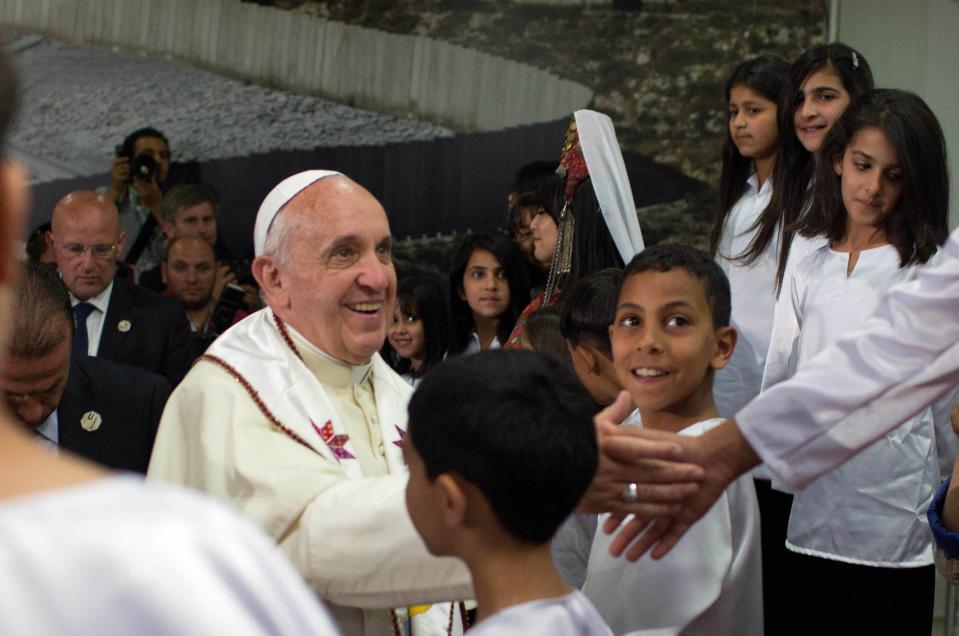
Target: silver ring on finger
x,y
630,493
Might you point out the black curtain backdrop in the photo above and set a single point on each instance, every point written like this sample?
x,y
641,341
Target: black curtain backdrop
x,y
457,183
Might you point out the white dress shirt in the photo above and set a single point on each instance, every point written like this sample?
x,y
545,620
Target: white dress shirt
x,y
753,290
851,394
95,321
570,615
871,510
474,344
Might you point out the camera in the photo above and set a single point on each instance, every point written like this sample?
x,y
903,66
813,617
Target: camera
x,y
241,268
231,301
144,167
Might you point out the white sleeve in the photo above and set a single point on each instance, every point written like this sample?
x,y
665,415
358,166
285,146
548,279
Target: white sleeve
x,y
119,557
864,385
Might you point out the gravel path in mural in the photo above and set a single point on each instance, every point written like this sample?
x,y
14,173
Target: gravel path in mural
x,y
80,102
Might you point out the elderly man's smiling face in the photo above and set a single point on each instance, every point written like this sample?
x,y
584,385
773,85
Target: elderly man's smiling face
x,y
336,269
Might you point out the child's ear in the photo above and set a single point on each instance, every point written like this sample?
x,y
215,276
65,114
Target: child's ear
x,y
837,164
453,501
725,345
461,292
584,356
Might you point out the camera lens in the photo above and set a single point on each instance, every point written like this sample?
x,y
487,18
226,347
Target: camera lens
x,y
144,167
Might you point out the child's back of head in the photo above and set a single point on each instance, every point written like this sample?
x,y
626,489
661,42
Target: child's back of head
x,y
516,426
542,334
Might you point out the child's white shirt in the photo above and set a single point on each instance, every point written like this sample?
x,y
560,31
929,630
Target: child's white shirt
x,y
570,615
710,583
473,346
753,290
872,509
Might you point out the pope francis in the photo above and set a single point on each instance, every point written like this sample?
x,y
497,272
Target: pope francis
x,y
293,417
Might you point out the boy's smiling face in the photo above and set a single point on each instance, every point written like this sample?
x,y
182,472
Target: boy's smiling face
x,y
665,344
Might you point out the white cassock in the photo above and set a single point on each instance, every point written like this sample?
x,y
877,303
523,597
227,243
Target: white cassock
x,y
871,510
710,583
308,447
903,359
116,556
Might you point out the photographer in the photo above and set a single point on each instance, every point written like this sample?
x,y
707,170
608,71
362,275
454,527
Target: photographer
x,y
139,173
190,273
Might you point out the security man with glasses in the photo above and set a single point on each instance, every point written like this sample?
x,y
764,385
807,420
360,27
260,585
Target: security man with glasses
x,y
115,319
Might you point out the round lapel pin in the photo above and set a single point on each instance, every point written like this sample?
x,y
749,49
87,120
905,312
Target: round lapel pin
x,y
91,421
123,326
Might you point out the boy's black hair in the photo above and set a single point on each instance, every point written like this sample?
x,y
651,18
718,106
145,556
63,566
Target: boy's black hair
x,y
919,224
662,258
589,308
516,424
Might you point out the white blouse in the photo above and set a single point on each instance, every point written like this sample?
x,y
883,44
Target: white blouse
x,y
904,358
753,290
870,510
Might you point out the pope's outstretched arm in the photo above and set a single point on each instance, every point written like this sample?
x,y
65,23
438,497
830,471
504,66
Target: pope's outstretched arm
x,y
904,359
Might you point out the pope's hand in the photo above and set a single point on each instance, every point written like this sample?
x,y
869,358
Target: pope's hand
x,y
722,454
654,466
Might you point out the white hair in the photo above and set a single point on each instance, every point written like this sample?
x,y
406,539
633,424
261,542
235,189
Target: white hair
x,y
282,228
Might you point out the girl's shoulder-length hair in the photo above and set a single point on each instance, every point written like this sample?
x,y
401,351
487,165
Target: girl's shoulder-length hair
x,y
424,296
919,223
516,275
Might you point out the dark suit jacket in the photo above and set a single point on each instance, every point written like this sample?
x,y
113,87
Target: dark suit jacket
x,y
147,330
129,403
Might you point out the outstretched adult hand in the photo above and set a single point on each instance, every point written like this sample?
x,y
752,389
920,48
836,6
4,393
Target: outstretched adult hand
x,y
655,466
722,454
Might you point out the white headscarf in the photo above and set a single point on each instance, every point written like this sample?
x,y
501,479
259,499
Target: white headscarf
x,y
607,171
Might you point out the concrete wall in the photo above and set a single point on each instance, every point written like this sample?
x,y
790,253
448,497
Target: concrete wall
x,y
407,75
914,46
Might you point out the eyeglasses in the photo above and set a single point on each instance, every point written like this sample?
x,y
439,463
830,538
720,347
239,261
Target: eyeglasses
x,y
101,251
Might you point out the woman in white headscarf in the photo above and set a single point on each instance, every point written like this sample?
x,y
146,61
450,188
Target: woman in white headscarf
x,y
589,210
